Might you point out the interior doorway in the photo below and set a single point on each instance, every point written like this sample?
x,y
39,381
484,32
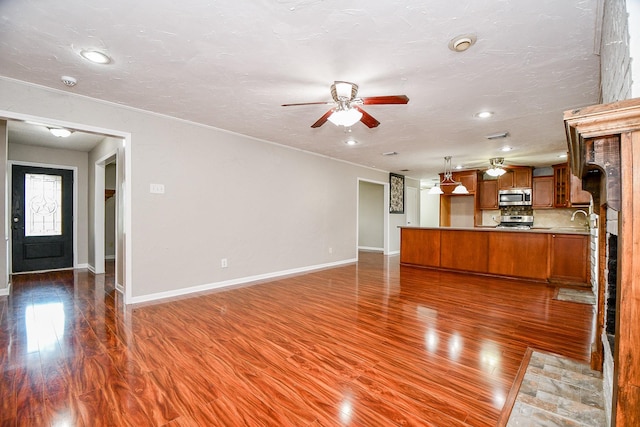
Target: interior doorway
x,y
27,142
373,216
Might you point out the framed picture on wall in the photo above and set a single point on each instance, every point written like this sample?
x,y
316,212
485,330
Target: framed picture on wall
x,y
396,193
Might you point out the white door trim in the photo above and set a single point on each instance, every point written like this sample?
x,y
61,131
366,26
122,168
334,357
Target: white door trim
x,y
386,212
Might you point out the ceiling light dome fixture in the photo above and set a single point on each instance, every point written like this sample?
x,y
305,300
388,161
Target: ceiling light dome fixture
x,y
346,117
484,114
95,56
497,167
60,132
447,179
462,43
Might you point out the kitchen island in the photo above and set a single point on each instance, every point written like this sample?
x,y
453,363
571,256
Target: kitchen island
x,y
543,254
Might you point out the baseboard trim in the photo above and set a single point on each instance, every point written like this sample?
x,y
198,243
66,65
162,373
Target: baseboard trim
x,y
370,249
235,282
6,291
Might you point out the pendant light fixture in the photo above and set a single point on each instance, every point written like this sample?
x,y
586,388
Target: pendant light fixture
x,y
497,167
448,180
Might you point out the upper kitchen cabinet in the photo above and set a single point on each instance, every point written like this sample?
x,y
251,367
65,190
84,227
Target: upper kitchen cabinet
x,y
543,192
515,177
568,190
488,194
467,178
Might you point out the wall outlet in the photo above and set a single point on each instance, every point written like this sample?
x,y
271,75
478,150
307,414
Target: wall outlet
x,y
223,263
330,250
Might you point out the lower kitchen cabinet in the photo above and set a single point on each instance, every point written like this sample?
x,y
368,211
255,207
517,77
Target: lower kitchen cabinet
x,y
420,246
531,255
469,251
519,255
569,258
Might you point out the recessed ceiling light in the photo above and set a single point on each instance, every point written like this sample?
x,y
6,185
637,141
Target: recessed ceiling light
x,y
459,167
506,148
95,56
351,142
462,43
60,132
484,114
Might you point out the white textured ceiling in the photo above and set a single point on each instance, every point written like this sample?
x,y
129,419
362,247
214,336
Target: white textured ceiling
x,y
231,64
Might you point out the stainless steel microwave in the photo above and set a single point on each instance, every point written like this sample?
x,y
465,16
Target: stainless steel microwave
x,y
514,197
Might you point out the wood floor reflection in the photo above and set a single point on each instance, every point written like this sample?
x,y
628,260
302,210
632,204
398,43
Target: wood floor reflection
x,y
369,344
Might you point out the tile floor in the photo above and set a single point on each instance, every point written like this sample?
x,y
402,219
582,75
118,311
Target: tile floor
x,y
556,391
576,295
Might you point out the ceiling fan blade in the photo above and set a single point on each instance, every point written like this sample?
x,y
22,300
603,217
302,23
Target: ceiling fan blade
x,y
322,120
367,118
307,103
390,99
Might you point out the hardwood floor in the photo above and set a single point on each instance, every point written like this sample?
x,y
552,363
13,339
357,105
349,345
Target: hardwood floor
x,y
369,344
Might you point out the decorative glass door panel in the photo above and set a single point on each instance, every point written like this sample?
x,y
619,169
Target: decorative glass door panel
x,y
43,194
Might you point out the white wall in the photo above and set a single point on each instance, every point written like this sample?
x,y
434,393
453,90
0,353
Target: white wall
x,y
268,209
429,209
371,216
462,211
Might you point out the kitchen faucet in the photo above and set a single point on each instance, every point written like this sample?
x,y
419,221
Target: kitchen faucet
x,y
586,215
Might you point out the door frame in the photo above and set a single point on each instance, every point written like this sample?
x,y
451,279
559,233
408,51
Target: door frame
x,y
385,236
74,169
127,286
99,213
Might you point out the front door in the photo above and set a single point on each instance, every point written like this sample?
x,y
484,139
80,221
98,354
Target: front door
x,y
42,218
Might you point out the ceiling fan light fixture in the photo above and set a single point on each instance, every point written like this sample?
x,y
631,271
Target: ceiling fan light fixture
x,y
345,90
497,167
345,117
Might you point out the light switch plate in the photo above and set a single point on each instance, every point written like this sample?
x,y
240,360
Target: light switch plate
x,y
156,188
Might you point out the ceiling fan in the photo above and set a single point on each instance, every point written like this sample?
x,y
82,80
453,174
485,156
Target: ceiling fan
x,y
347,110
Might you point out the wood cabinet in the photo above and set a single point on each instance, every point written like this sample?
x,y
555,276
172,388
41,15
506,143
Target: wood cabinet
x,y
515,177
523,255
578,196
532,255
568,255
420,246
543,191
488,194
568,190
469,250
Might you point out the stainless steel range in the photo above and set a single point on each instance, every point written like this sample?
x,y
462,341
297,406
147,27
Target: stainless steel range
x,y
520,218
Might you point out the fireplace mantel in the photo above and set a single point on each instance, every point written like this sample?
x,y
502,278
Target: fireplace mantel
x,y
606,138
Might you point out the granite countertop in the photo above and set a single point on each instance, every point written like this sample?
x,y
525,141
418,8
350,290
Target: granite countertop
x,y
547,230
